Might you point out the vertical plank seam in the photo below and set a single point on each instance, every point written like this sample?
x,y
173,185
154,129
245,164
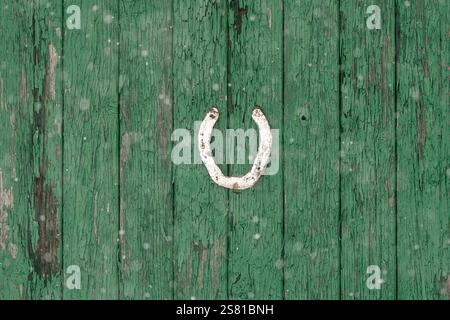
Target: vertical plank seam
x,y
283,171
119,147
172,169
63,30
397,48
31,159
229,107
340,75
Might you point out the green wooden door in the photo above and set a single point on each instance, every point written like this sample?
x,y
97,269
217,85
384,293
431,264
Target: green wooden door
x,y
97,98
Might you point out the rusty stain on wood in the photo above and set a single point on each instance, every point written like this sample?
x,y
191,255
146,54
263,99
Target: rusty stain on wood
x,y
218,253
44,256
239,12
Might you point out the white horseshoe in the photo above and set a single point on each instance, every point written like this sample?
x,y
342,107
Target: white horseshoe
x,y
261,160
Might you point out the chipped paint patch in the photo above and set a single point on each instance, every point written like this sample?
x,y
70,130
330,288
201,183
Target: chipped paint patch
x,y
128,139
45,255
269,18
13,250
58,32
94,227
13,119
125,149
2,96
163,96
50,77
23,87
446,285
261,159
6,202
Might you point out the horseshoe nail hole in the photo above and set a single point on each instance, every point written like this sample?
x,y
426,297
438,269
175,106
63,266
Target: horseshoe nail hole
x,y
303,114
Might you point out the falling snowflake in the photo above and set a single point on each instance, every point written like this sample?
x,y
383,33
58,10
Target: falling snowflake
x,y
48,257
108,19
414,93
84,104
279,264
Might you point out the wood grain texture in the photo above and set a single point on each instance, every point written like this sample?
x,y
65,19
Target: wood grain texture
x,y
91,150
256,215
368,167
30,166
16,114
90,122
311,150
423,151
200,207
145,89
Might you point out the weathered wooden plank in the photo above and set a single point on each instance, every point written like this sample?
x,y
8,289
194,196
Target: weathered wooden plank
x,y
146,208
368,167
30,166
200,208
47,145
256,215
91,150
311,150
423,150
16,114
